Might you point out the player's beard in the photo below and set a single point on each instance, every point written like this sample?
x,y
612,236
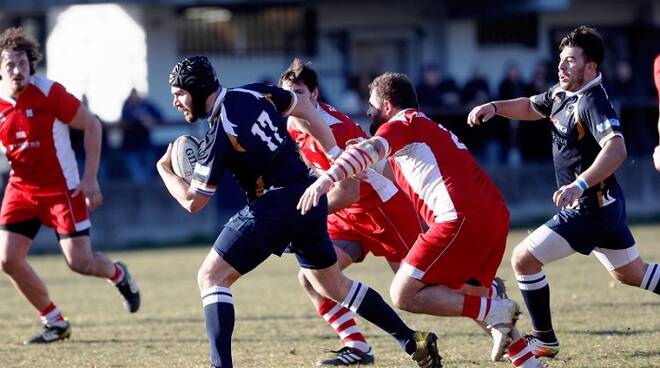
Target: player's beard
x,y
198,111
378,118
575,81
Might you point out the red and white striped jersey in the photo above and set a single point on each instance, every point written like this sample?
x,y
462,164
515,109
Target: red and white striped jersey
x,y
435,169
375,188
35,136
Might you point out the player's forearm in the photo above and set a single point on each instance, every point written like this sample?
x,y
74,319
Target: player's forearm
x,y
356,158
606,163
92,143
178,188
517,109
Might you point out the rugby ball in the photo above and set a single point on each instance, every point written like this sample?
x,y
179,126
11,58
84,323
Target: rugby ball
x,y
185,153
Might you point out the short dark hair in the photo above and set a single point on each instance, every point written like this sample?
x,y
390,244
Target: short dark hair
x,y
15,39
396,88
300,72
589,40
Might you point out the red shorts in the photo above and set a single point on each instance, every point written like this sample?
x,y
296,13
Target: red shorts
x,y
61,211
467,249
388,230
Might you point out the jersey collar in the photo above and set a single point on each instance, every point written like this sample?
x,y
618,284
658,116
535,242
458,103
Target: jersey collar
x,y
591,83
401,115
325,115
215,111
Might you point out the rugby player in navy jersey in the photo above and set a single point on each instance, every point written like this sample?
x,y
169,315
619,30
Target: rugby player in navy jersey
x,y
588,147
248,136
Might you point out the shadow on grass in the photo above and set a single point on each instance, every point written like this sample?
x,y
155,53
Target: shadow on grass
x,y
629,332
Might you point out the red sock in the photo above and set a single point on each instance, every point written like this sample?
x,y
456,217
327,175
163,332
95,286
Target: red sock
x,y
476,307
119,274
50,314
521,355
342,321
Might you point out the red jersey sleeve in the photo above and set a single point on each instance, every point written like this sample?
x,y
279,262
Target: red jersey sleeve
x,y
656,74
63,103
395,133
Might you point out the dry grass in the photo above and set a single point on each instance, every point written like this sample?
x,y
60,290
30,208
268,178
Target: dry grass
x,y
600,323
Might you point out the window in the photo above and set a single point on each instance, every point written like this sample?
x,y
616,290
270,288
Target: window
x,y
247,31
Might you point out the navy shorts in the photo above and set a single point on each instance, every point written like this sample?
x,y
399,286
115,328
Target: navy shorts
x,y
588,227
268,224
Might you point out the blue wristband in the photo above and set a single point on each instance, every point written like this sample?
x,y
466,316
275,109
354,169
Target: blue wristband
x,y
582,184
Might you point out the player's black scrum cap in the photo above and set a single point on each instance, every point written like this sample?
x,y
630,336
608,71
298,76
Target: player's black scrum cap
x,y
196,75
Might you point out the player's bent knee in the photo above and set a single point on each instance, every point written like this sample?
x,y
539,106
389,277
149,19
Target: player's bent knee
x,y
518,257
10,266
400,298
523,261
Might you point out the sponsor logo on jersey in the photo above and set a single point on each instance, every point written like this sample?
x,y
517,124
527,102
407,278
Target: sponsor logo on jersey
x,y
29,113
607,125
21,134
558,126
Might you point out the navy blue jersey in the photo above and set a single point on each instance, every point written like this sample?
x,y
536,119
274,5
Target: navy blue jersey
x,y
248,136
582,122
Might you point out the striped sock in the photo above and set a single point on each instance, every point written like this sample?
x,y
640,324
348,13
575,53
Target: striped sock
x,y
219,318
367,303
51,315
342,321
521,355
536,293
476,307
651,280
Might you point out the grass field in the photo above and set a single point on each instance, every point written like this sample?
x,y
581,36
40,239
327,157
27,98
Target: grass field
x,y
600,323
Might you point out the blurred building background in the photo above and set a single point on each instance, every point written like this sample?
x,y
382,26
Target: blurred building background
x,y
460,53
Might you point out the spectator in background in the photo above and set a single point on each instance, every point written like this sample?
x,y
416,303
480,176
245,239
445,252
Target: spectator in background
x,y
656,75
435,93
476,90
138,116
534,140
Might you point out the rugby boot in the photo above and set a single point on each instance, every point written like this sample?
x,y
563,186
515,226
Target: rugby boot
x,y
128,289
348,356
501,319
59,330
542,348
426,353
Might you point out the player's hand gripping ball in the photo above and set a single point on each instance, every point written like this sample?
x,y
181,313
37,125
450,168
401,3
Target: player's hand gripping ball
x,y
185,153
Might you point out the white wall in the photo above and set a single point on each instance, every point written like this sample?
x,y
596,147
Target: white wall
x,y
100,51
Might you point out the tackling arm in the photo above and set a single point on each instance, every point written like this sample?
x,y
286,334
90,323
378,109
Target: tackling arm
x,y
353,160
